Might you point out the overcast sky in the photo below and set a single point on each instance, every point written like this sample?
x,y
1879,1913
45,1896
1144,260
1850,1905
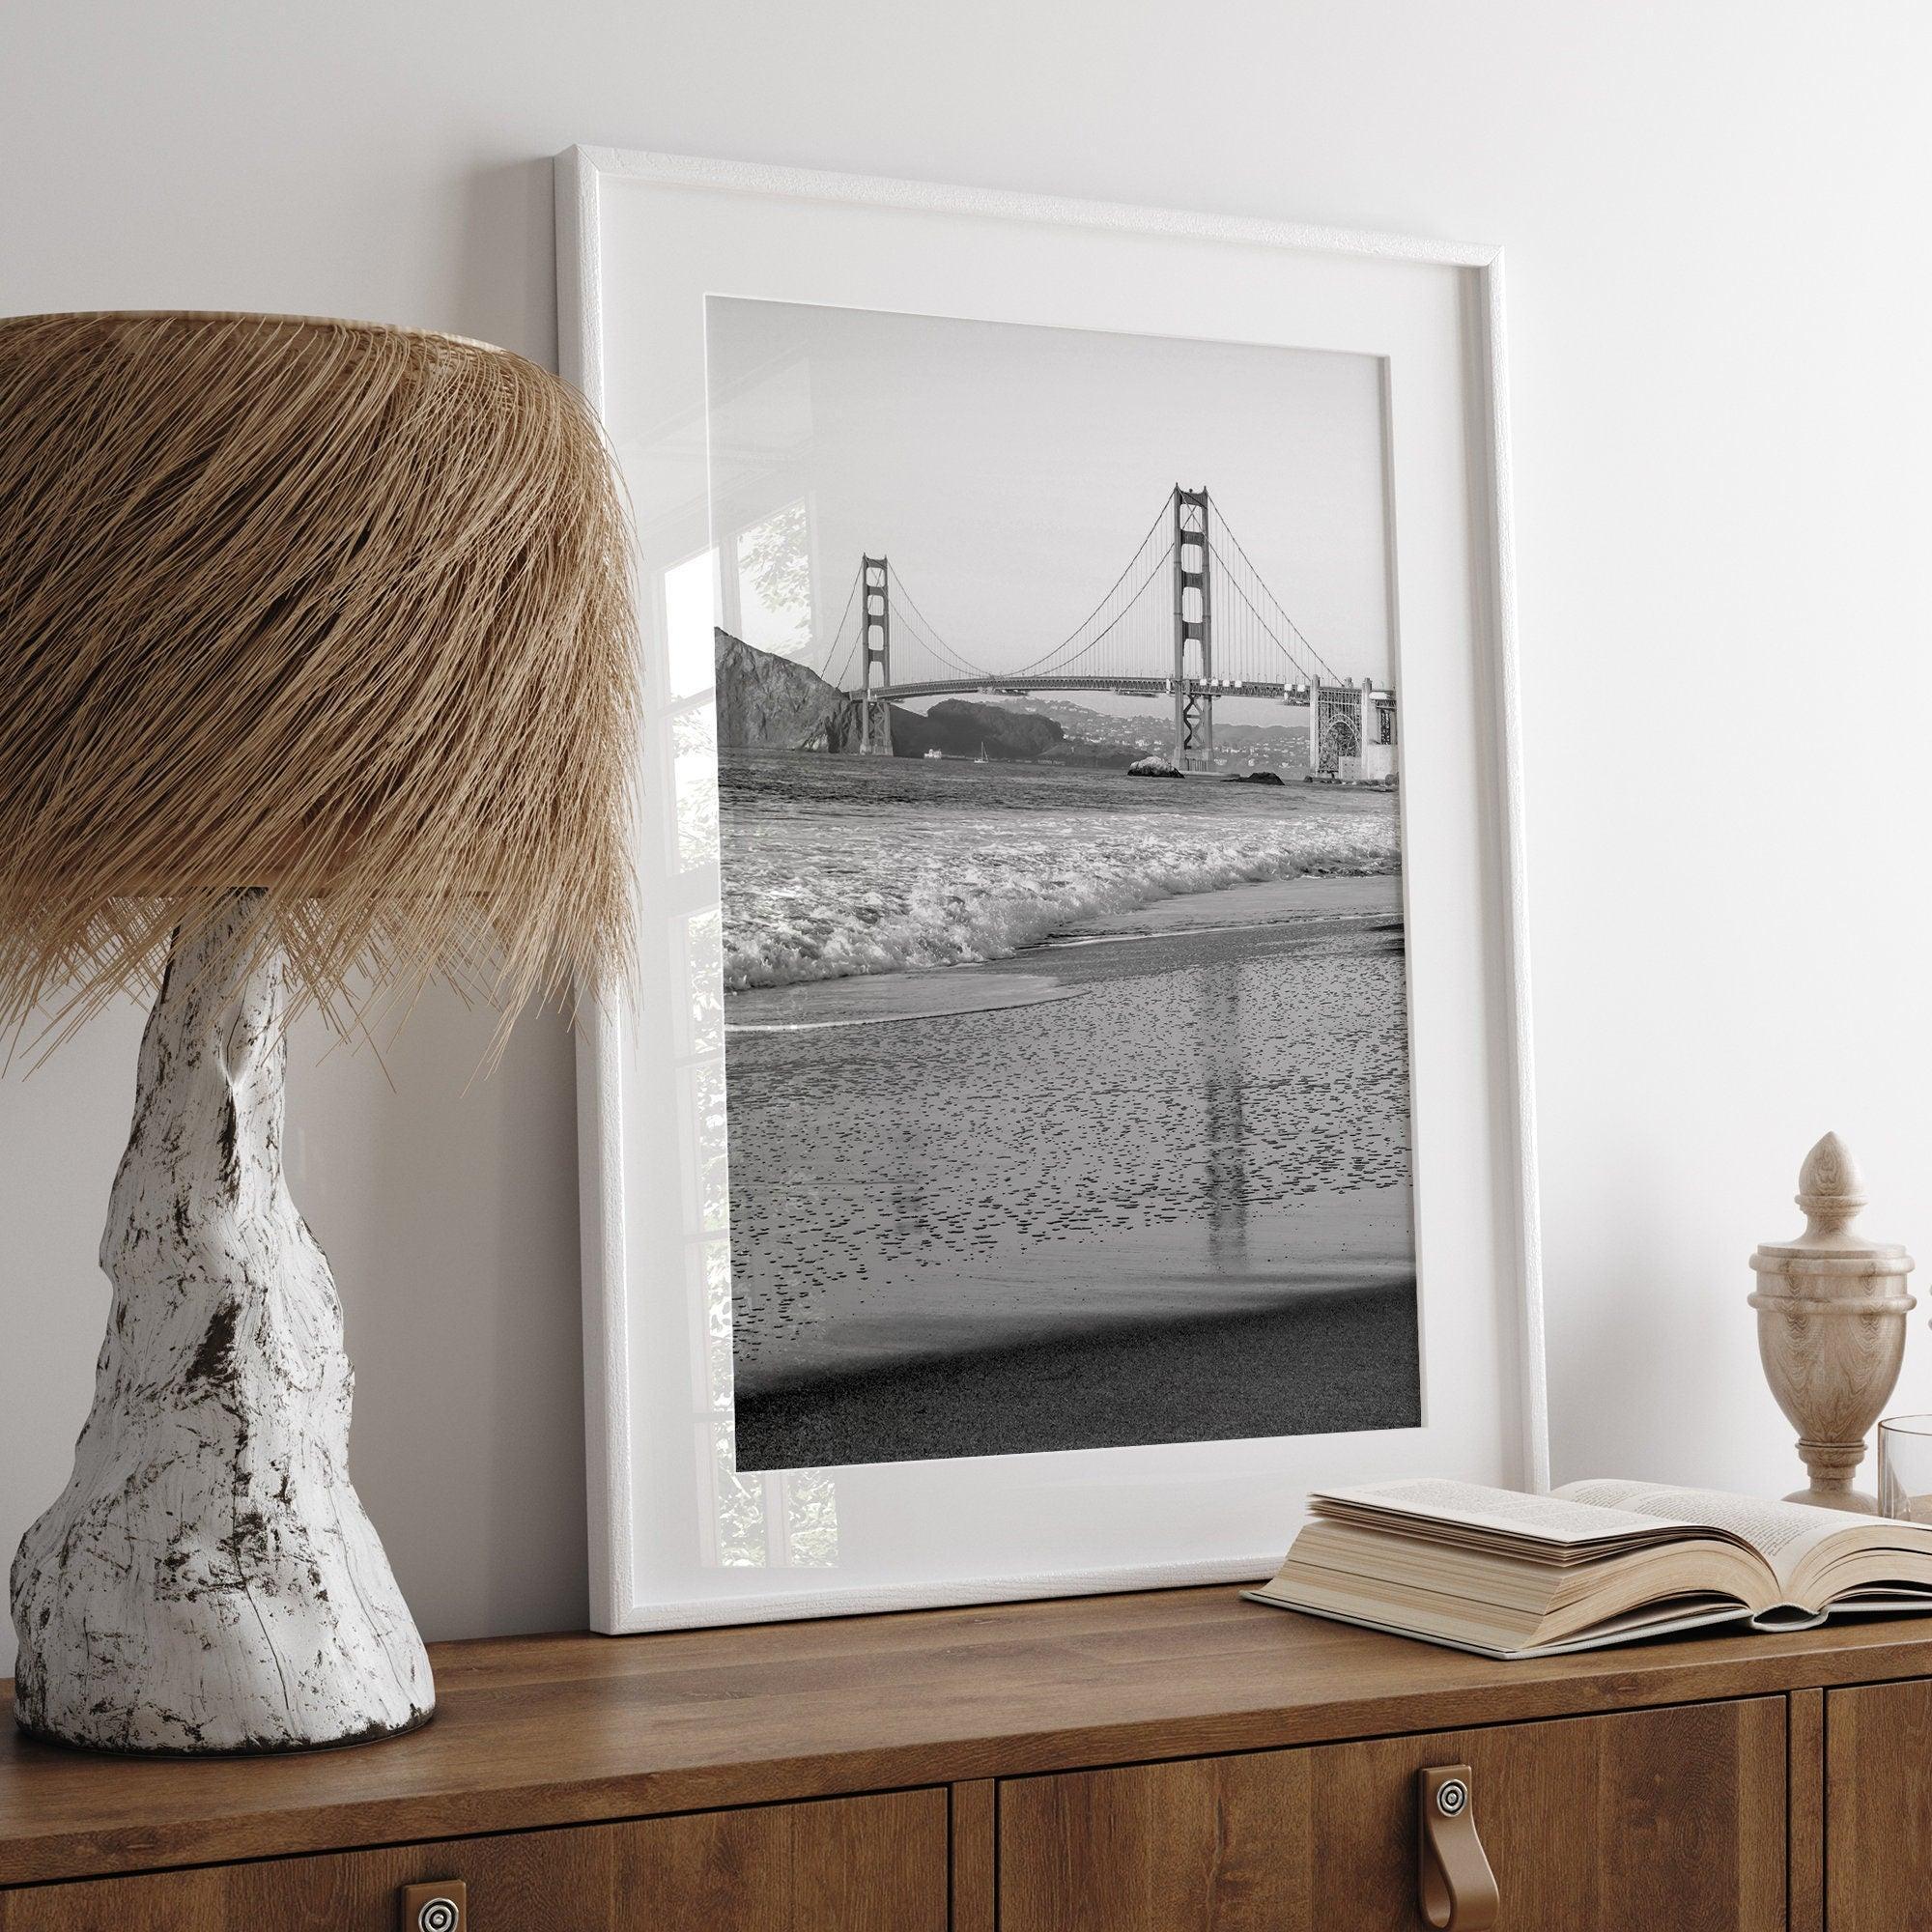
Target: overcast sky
x,y
1010,472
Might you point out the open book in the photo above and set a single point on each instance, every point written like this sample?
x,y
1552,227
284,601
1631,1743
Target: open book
x,y
1592,1563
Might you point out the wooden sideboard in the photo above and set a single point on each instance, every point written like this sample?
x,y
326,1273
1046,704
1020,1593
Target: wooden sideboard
x,y
1169,1762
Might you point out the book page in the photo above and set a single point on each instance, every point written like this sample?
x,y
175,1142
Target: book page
x,y
1663,1620
1559,1519
1781,1533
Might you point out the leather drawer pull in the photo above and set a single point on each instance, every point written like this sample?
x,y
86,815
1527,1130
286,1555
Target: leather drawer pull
x,y
1454,1883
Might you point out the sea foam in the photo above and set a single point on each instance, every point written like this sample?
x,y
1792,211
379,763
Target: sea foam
x,y
823,897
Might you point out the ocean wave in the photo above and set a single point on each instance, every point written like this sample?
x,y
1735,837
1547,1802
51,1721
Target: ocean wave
x,y
818,901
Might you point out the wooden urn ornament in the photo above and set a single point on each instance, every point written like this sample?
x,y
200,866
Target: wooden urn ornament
x,y
1831,1326
318,682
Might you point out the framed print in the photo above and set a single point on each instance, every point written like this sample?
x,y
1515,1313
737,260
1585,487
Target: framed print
x,y
1076,1095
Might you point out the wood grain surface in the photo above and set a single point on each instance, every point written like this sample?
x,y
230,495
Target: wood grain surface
x,y
571,1730
976,1856
1878,1809
1660,1818
1804,1779
850,1865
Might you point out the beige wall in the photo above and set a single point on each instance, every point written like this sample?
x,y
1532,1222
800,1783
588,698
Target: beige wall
x,y
1719,297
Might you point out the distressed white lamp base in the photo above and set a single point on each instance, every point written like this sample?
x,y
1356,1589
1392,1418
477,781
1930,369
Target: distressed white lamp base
x,y
208,1581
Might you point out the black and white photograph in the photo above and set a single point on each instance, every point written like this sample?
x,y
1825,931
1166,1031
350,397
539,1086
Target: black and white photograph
x,y
1066,1004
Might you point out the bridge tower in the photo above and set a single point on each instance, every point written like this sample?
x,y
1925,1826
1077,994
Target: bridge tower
x,y
1193,623
875,635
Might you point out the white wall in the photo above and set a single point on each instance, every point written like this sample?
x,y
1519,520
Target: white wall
x,y
1719,306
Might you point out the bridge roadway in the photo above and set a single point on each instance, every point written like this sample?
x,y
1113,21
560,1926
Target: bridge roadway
x,y
1123,687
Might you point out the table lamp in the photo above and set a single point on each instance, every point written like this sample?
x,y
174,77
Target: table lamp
x,y
318,682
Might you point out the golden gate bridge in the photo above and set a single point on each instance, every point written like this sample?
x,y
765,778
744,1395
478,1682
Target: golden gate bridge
x,y
1189,618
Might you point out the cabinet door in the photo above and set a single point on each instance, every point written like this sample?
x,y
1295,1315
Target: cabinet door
x,y
850,1865
1655,1819
1878,1809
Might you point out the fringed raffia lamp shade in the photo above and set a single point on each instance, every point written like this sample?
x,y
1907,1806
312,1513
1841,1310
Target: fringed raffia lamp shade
x,y
335,609
317,681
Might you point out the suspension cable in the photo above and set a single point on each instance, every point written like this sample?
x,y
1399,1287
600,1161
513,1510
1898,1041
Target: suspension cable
x,y
1159,518
929,632
1267,630
1125,611
925,633
1296,629
838,632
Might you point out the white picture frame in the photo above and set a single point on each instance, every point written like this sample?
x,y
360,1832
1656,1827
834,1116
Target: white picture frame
x,y
641,240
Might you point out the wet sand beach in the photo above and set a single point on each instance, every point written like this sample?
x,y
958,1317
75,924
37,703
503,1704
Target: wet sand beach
x,y
1145,1180
1350,1356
